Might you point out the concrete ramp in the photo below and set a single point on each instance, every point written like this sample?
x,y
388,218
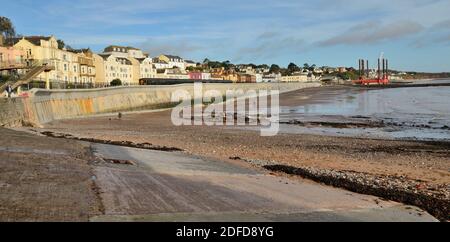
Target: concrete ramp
x,y
165,186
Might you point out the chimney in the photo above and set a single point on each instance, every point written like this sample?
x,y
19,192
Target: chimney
x,y
379,69
359,67
387,68
368,70
363,68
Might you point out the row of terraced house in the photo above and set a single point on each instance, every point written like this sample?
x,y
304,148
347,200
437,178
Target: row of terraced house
x,y
128,64
83,66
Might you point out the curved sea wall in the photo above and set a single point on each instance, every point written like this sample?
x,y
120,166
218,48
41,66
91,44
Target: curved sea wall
x,y
43,106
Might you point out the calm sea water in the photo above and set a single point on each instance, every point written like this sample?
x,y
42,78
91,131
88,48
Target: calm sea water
x,y
419,113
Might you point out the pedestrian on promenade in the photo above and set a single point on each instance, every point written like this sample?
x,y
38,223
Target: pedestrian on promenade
x,y
9,90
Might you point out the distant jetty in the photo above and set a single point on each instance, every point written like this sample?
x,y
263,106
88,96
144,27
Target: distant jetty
x,y
402,85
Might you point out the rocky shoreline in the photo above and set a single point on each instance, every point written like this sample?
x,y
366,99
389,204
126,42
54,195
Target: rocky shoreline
x,y
435,199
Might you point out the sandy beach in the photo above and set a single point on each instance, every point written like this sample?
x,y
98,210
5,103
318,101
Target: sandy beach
x,y
413,167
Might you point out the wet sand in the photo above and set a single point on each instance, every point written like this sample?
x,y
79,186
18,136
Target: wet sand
x,y
418,166
45,179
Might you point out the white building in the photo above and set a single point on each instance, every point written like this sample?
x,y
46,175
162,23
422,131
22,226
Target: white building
x,y
189,63
147,69
117,67
271,77
206,76
160,64
173,61
124,52
259,78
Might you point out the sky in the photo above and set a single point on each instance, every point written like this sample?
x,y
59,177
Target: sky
x,y
413,34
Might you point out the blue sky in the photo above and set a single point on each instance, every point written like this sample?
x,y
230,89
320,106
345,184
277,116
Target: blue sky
x,y
413,34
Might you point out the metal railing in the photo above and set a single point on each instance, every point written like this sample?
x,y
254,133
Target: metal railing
x,y
20,64
12,64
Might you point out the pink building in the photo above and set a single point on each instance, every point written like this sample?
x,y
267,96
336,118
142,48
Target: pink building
x,y
11,56
195,75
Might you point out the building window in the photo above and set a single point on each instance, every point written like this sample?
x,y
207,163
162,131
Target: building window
x,y
65,67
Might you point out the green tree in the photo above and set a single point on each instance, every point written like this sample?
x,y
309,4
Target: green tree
x,y
252,65
349,75
116,82
274,69
306,66
263,66
7,28
62,45
293,68
226,64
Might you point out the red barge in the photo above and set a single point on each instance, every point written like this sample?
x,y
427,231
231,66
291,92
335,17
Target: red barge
x,y
364,73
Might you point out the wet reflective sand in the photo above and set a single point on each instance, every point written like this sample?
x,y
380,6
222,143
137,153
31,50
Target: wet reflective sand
x,y
399,113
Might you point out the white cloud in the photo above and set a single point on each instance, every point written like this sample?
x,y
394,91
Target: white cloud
x,y
374,32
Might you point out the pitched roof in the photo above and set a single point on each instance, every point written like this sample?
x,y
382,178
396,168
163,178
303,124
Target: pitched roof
x,y
126,61
140,59
111,48
105,56
80,50
173,57
35,40
156,60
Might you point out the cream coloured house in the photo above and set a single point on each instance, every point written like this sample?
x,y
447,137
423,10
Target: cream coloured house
x,y
45,50
173,61
116,67
160,64
128,64
100,76
87,70
295,78
173,73
147,69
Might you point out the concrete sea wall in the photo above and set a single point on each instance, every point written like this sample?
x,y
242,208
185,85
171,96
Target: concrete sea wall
x,y
43,106
15,112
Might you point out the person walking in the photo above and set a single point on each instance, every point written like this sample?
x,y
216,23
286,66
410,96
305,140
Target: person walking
x,y
9,90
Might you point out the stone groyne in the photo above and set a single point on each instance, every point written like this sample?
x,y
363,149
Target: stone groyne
x,y
43,106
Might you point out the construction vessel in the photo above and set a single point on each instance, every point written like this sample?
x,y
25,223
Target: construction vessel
x,y
382,76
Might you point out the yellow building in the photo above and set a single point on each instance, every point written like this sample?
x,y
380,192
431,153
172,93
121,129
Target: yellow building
x,y
75,66
147,69
119,68
173,61
136,69
295,78
87,66
100,76
128,64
